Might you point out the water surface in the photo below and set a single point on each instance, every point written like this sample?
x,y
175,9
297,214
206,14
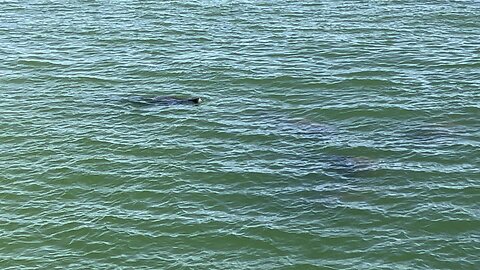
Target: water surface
x,y
334,135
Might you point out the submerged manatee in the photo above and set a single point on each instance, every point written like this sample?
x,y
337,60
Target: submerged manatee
x,y
285,124
307,127
165,100
347,164
431,133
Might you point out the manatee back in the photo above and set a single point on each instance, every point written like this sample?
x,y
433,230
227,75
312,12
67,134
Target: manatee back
x,y
172,100
164,100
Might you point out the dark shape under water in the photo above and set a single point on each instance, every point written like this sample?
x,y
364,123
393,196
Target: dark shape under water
x,y
347,164
430,133
306,127
165,100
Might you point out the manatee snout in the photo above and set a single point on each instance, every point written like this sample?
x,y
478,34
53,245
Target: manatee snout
x,y
196,100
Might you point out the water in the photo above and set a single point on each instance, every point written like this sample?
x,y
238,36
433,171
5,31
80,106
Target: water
x,y
334,135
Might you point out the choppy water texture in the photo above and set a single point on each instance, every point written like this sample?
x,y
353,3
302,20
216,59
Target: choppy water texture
x,y
334,135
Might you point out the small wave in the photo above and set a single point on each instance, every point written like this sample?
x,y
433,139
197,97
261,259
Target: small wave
x,y
41,63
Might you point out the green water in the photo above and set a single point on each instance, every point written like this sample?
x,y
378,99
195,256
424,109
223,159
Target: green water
x,y
334,135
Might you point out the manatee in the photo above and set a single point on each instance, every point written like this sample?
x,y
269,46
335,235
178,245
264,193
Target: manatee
x,y
430,133
306,127
165,100
349,163
283,123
